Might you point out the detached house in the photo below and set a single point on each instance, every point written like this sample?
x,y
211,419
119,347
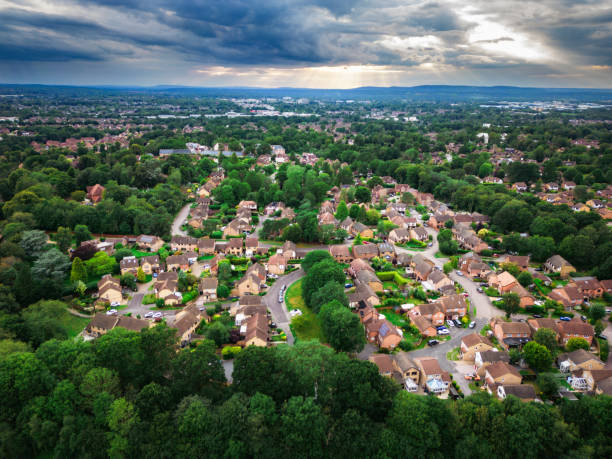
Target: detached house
x,y
109,289
575,329
95,193
208,288
433,379
176,262
150,264
288,250
365,251
579,360
341,253
129,265
419,233
149,243
511,334
368,277
234,247
473,343
557,264
399,236
277,264
501,373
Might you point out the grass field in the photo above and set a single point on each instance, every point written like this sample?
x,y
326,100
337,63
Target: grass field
x,y
307,326
74,325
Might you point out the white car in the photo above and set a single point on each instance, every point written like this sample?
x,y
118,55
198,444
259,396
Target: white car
x,y
157,314
459,273
450,323
148,315
115,304
444,331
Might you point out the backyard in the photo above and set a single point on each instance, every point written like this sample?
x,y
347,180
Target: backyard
x,y
306,326
73,324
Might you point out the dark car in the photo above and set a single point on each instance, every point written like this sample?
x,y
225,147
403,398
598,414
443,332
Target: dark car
x,y
432,342
458,323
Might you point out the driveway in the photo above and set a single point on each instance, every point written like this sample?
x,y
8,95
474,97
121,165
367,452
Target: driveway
x,y
179,221
279,310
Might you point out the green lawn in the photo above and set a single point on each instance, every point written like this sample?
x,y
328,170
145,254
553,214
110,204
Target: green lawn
x,y
139,254
307,326
73,324
396,319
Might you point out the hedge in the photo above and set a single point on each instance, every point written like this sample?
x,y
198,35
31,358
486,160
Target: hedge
x,y
392,276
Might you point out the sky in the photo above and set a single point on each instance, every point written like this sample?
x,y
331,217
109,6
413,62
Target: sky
x,y
307,43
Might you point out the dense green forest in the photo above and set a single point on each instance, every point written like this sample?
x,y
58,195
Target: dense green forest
x,y
132,395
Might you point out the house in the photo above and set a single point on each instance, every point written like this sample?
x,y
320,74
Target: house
x,y
419,233
568,186
521,261
524,392
433,379
422,269
256,330
399,236
183,243
589,287
511,334
102,324
186,322
341,253
288,213
273,207
288,250
363,295
606,284
520,187
599,381
359,229
236,228
357,265
569,296
149,243
437,221
479,270
365,251
557,264
406,367
501,373
575,329
109,290
150,264
277,264
251,205
386,251
95,193
430,311
525,298
346,224
473,343
166,286
383,333
327,218
247,306
250,283
579,360
206,246
208,288
129,265
503,282
453,306
384,362
439,280
483,359
368,277
234,247
543,322
251,246
425,326
403,259
176,262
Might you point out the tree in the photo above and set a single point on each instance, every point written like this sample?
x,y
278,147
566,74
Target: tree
x,y
63,238
101,263
548,384
597,312
218,333
537,356
78,273
341,327
342,211
292,233
224,270
128,280
52,265
331,291
525,278
122,419
577,342
363,194
141,276
546,337
33,243
223,291
304,428
320,274
80,288
45,320
315,257
512,268
81,234
511,303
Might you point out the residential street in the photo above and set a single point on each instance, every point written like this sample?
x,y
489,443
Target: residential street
x,y
279,310
179,221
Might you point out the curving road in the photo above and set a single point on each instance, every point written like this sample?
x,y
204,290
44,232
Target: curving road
x,y
279,310
179,220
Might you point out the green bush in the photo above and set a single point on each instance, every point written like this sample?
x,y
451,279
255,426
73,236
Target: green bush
x,y
189,296
604,349
149,299
229,352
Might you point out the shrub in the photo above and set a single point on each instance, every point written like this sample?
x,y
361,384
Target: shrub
x,y
149,299
406,345
604,350
229,352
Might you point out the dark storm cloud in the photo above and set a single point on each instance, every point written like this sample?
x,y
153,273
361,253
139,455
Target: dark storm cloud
x,y
303,33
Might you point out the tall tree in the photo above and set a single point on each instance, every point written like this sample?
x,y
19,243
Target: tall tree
x,y
78,271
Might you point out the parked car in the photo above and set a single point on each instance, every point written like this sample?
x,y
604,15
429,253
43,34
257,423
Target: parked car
x,y
115,304
472,377
443,332
158,315
148,315
348,285
466,294
472,324
459,273
584,318
537,316
432,342
430,244
479,290
457,322
565,318
450,323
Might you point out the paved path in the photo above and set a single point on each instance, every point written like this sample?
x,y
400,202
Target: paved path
x,y
180,220
79,314
279,310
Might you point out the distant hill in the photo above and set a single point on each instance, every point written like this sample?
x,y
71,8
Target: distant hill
x,y
431,93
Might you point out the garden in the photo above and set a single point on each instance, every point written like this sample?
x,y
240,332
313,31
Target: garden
x,y
306,326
